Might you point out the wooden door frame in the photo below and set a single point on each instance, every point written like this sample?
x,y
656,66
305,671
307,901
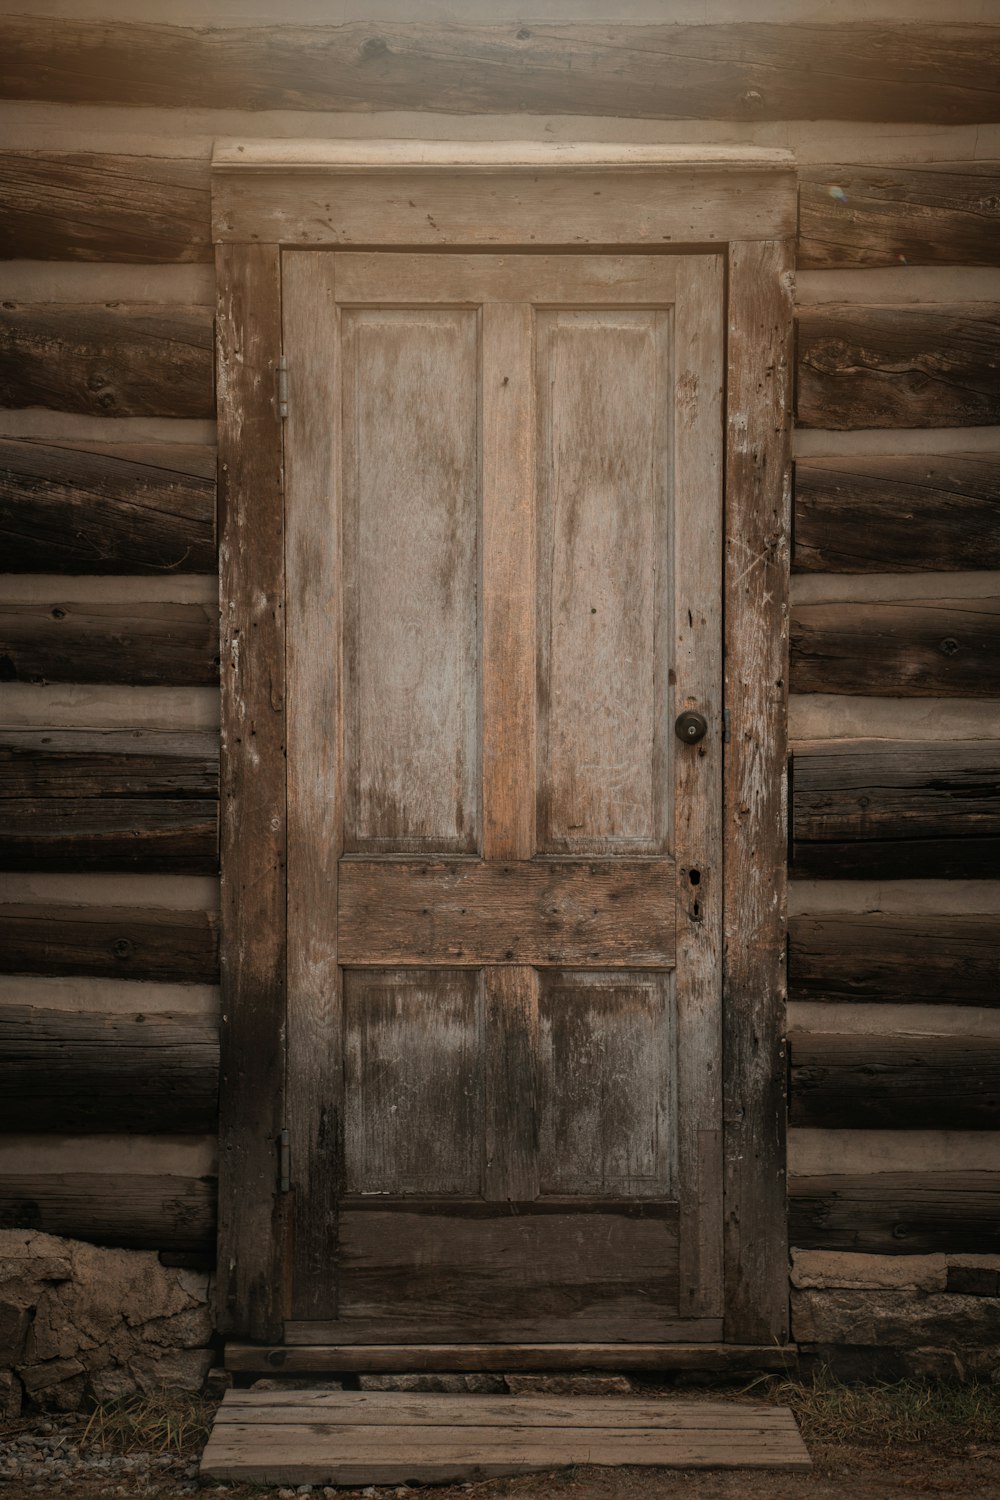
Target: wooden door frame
x,y
740,203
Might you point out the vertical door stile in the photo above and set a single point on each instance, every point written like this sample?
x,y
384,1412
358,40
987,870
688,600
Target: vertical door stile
x,y
697,662
508,744
313,655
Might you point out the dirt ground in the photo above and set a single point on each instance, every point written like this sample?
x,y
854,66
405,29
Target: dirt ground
x,y
840,1473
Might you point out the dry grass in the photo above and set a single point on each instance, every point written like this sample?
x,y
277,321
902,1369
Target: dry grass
x,y
905,1412
162,1422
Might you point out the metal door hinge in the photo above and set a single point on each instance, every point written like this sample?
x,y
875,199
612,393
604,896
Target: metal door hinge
x,y
285,1160
727,726
281,386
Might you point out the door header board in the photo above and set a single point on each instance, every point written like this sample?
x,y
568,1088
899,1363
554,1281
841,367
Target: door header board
x,y
523,193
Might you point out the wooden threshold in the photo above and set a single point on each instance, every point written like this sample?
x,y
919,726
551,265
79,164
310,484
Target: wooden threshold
x,y
378,1437
316,1359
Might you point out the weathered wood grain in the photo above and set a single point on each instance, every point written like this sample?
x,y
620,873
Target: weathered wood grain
x,y
124,942
745,71
603,754
465,201
920,648
315,1359
108,799
511,1069
400,1084
410,544
386,1436
252,1228
508,588
89,833
894,1082
504,1271
897,1213
88,1071
133,1210
907,513
913,366
314,692
558,913
124,509
920,214
884,809
99,763
97,205
877,958
754,816
155,644
107,360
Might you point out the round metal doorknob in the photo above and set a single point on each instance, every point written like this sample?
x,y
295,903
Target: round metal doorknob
x,y
691,727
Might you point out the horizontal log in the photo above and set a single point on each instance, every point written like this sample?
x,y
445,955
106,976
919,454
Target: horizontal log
x,y
911,513
745,71
74,763
897,1213
108,800
880,809
123,942
130,509
155,644
87,1071
95,205
895,1083
914,366
108,360
927,648
132,1210
931,213
135,833
877,958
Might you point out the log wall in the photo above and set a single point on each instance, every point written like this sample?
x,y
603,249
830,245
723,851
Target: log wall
x,y
108,629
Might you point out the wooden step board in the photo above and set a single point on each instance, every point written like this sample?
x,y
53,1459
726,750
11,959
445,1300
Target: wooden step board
x,y
378,1437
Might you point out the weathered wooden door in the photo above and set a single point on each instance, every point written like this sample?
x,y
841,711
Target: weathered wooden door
x,y
503,509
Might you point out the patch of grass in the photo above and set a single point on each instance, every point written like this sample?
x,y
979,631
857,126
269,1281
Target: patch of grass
x,y
162,1422
942,1414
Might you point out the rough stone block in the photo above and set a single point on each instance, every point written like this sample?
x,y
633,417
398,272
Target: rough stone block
x,y
900,1319
10,1396
569,1385
974,1281
47,1375
836,1269
172,1369
454,1383
217,1382
14,1324
295,1383
80,1320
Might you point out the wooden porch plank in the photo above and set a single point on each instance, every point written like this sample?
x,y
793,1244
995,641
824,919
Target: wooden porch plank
x,y
371,1409
401,1437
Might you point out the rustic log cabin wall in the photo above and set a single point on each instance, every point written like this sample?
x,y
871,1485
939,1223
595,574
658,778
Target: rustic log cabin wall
x,y
108,619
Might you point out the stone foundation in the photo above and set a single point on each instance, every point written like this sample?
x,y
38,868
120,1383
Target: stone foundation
x,y
79,1323
895,1315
